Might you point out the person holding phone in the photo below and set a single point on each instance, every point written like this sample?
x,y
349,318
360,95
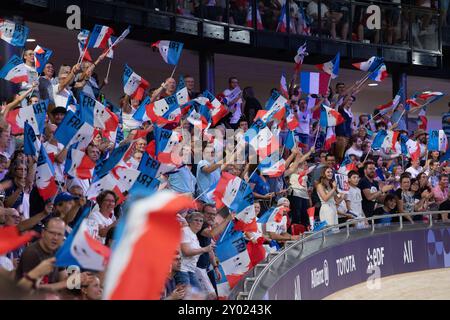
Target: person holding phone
x,y
329,197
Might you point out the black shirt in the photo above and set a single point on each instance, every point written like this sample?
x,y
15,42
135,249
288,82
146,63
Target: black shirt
x,y
367,205
203,261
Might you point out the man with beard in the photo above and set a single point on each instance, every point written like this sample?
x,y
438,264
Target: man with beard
x,y
370,190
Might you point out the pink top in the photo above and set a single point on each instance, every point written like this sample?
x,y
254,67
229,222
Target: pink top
x,y
440,195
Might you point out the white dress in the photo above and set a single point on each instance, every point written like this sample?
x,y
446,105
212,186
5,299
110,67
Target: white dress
x,y
328,211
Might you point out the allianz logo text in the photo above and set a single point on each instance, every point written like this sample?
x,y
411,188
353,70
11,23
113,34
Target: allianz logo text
x,y
320,276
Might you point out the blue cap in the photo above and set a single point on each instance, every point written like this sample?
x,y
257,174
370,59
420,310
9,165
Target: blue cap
x,y
63,196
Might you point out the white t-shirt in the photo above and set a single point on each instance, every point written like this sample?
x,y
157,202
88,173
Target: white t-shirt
x,y
414,172
61,97
313,9
355,199
189,264
102,221
59,167
304,120
277,227
354,151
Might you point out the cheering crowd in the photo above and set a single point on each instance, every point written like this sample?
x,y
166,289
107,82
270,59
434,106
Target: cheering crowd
x,y
329,166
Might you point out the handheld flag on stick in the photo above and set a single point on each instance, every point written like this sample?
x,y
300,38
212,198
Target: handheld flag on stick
x,y
379,74
99,36
133,84
11,239
331,67
81,249
370,65
437,141
314,82
329,117
83,37
13,33
14,70
298,59
170,50
41,56
140,231
45,176
390,106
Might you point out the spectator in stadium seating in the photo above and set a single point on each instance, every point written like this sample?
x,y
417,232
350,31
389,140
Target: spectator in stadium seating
x,y
208,172
190,86
353,199
355,149
46,82
276,229
51,238
172,291
389,207
415,168
234,102
92,289
191,251
251,105
33,77
405,197
344,130
329,197
441,193
104,216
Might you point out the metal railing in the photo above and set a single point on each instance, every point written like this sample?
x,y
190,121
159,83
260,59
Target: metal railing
x,y
290,245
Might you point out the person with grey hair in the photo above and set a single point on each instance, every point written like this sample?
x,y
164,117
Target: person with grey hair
x,y
191,251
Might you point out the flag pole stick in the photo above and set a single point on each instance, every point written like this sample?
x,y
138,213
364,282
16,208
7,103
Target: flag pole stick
x,y
317,135
107,72
80,59
173,72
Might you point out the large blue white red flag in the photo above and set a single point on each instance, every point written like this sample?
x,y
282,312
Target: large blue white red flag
x,y
410,148
437,141
379,74
385,139
73,129
14,70
329,117
139,232
370,65
390,106
99,36
133,84
34,114
237,195
314,82
81,249
170,50
234,257
13,33
41,56
161,112
331,67
31,143
218,110
83,37
45,176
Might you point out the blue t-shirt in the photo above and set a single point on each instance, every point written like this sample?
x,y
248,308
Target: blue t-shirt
x,y
206,180
182,181
262,187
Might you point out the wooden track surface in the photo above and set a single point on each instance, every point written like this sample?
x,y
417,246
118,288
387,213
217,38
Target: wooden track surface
x,y
427,285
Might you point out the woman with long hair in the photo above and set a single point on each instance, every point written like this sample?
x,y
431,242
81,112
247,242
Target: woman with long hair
x,y
329,197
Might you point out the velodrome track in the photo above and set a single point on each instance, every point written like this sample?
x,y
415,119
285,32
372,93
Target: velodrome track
x,y
424,285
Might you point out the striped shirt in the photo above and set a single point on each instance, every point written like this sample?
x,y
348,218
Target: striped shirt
x,y
445,123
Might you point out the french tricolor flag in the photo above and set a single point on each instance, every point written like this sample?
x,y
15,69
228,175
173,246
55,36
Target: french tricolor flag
x,y
41,56
81,166
331,67
97,114
165,142
283,86
437,141
73,129
379,74
272,168
282,24
81,249
276,108
83,37
14,70
108,182
259,24
99,36
370,65
13,33
430,96
34,115
423,121
133,84
330,117
162,112
262,140
234,257
300,56
11,238
292,121
200,118
218,110
330,138
237,195
139,232
45,176
389,107
347,165
170,50
410,147
314,82
385,139
31,143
